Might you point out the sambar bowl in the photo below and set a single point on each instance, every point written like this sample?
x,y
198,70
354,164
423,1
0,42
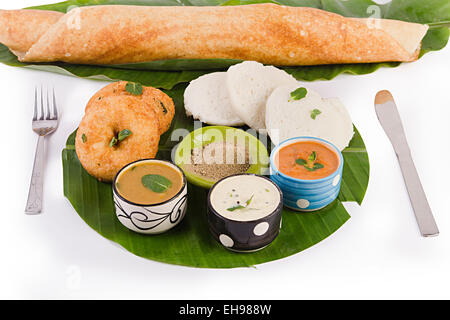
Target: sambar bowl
x,y
151,218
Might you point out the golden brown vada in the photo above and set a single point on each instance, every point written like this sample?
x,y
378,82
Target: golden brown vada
x,y
157,100
102,123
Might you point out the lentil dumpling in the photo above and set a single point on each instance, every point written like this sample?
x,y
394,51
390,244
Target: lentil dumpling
x,y
99,145
153,98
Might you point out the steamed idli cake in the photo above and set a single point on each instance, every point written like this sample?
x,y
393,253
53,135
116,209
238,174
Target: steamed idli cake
x,y
311,116
249,85
206,99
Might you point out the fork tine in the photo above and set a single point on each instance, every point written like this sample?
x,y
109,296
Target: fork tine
x,y
42,104
49,114
55,109
35,104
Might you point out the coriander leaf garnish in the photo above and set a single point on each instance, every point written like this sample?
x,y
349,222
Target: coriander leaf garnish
x,y
156,183
315,113
315,167
301,162
236,208
83,138
310,165
312,156
247,203
134,88
318,166
298,94
124,134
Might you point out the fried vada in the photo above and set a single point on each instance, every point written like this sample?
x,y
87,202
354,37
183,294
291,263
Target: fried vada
x,y
98,143
155,99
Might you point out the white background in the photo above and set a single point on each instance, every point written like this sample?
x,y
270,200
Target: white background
x,y
378,253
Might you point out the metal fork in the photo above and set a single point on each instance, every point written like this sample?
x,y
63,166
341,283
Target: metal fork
x,y
44,123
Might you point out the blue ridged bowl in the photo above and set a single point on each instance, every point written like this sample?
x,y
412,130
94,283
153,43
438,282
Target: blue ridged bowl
x,y
307,195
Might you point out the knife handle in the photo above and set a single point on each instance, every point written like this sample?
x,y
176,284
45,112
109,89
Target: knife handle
x,y
422,210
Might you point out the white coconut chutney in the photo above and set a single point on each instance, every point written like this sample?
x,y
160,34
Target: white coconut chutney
x,y
245,198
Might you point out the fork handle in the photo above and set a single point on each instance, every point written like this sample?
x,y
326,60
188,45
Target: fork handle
x,y
34,203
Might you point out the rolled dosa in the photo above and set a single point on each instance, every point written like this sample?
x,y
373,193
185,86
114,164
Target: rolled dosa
x,y
267,33
20,29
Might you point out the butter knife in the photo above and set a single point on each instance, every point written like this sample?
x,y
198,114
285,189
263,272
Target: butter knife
x,y
389,118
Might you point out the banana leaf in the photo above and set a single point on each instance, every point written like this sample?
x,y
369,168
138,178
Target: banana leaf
x,y
167,74
190,244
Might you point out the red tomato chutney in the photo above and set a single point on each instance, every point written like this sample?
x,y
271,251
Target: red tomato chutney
x,y
307,160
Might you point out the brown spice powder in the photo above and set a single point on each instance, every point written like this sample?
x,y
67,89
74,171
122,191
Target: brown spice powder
x,y
218,160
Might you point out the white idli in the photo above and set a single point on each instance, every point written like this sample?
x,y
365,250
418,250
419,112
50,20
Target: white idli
x,y
206,99
249,85
288,119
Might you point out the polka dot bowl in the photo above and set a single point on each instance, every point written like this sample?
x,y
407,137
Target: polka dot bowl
x,y
307,195
245,236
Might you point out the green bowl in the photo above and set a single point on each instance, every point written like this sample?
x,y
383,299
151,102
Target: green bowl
x,y
259,157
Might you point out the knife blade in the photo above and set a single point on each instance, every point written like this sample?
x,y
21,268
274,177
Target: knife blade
x,y
390,120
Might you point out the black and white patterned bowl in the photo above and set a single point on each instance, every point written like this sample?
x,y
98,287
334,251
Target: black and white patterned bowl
x,y
155,218
245,236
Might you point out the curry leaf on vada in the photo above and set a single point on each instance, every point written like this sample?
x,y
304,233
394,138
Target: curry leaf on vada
x,y
113,142
134,88
125,133
163,107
